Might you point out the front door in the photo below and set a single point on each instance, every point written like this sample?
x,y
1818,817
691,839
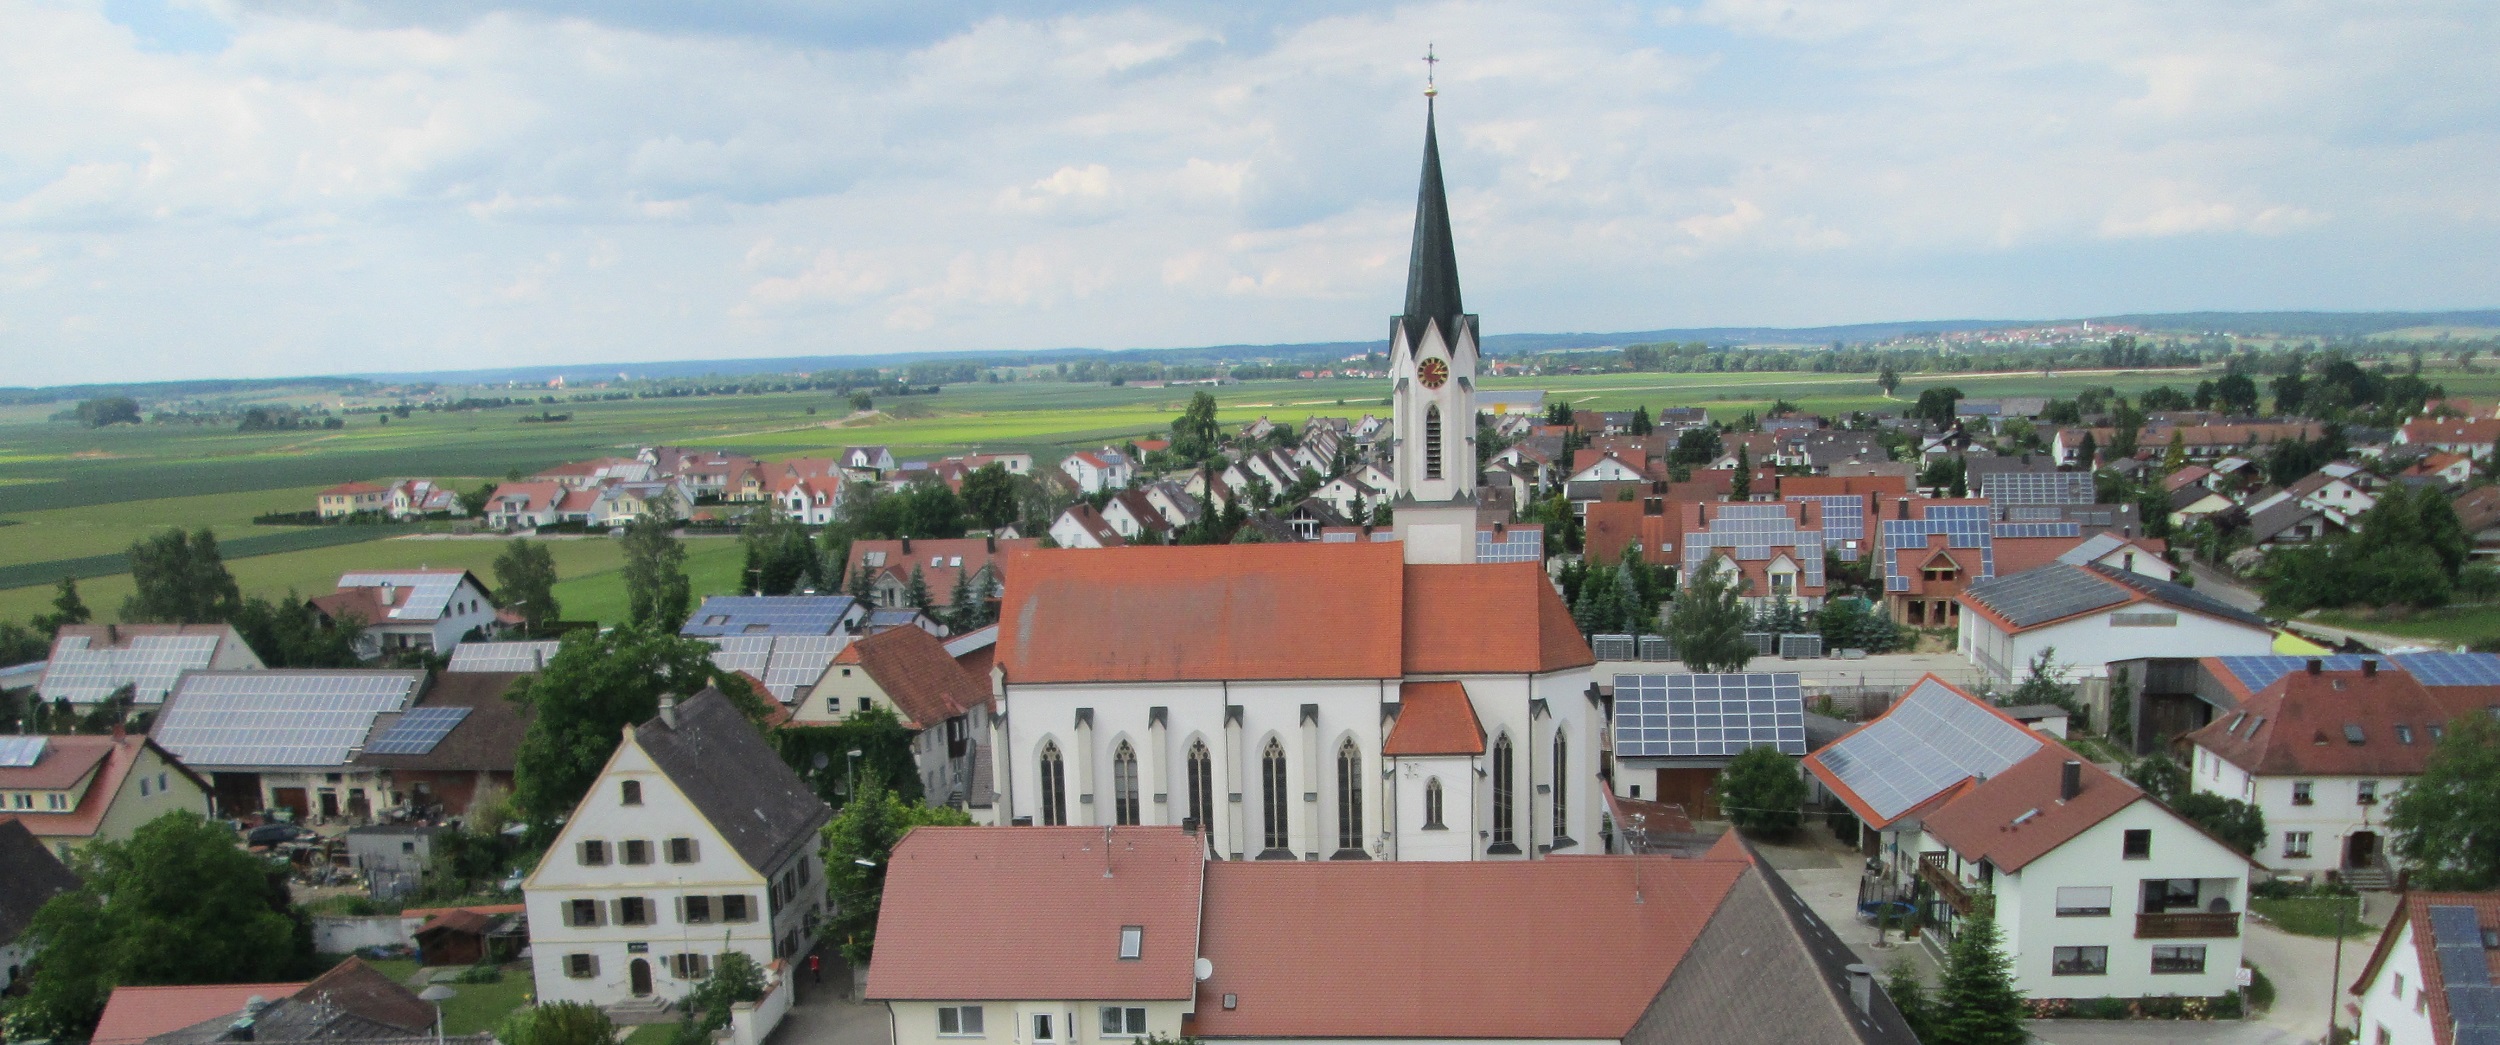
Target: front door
x,y
2361,850
292,800
641,970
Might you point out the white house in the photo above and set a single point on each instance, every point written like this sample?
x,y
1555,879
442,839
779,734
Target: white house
x,y
2320,752
1083,527
1135,518
1607,469
2131,554
1123,933
411,609
2100,891
1097,470
695,839
2429,981
2094,613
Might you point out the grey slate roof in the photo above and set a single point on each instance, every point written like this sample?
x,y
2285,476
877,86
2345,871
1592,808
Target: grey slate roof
x,y
2061,590
29,875
2180,596
740,785
1765,969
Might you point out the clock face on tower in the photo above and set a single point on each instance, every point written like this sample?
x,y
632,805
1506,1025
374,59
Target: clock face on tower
x,y
1433,373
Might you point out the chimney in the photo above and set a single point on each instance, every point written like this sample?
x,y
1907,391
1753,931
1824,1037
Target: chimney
x,y
2316,665
2369,669
668,711
2070,781
240,1029
993,544
1902,507
906,545
1862,987
388,589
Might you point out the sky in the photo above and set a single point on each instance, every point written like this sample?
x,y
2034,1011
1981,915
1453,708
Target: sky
x,y
209,188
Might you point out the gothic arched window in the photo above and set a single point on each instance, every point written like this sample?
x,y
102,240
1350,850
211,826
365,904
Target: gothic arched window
x,y
1432,442
1503,781
1349,797
1274,795
1124,785
1202,787
1054,787
1562,782
1432,805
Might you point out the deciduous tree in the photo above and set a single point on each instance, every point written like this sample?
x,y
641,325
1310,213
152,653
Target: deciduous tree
x,y
2447,821
597,684
989,494
1707,624
525,582
858,843
1761,792
657,594
180,579
556,1023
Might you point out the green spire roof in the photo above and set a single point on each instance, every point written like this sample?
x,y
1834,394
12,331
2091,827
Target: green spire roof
x,y
1432,270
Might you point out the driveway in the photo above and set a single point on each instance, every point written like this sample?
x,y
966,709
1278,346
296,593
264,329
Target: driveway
x,y
1825,874
825,1015
2166,1032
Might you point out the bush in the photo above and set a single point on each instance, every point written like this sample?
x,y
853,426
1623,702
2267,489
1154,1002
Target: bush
x,y
482,972
1761,792
2260,989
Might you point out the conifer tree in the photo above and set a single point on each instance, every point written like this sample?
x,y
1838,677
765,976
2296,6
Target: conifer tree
x,y
1977,1003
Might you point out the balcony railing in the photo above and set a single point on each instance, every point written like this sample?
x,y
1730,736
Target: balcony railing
x,y
2186,925
1938,875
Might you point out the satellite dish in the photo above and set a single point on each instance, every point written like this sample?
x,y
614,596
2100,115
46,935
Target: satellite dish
x,y
822,759
1205,969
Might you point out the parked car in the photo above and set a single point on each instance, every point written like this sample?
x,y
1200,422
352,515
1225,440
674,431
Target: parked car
x,y
267,835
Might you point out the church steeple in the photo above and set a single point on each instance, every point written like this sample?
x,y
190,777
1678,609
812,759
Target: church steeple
x,y
1432,268
1432,380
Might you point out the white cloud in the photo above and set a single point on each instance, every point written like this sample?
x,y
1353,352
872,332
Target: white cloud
x,y
309,193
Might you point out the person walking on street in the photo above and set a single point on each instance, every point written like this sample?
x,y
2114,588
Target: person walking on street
x,y
816,968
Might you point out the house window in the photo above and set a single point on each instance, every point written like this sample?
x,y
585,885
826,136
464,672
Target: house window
x,y
1432,806
58,801
1202,787
697,910
2179,958
583,913
690,966
634,851
581,966
1132,942
2080,961
1124,785
2302,793
1043,1026
2139,844
1562,777
681,850
633,910
959,1021
2399,986
2083,901
2169,894
629,792
2296,844
1349,798
2365,793
1502,784
1432,442
1054,787
1274,797
594,853
736,908
2404,734
1127,1022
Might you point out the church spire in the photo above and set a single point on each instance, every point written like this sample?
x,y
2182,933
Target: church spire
x,y
1432,270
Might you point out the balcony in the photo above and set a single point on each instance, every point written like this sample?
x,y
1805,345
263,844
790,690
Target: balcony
x,y
2186,925
1933,870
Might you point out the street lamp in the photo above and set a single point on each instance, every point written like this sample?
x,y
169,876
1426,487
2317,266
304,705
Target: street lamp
x,y
438,994
851,786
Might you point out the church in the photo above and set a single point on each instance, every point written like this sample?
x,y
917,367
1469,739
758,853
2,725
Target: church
x,y
1366,700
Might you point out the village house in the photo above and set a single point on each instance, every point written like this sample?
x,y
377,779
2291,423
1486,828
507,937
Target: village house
x,y
694,839
459,742
353,498
2469,437
431,610
69,791
975,563
285,738
524,506
2099,890
1135,519
351,1002
2430,980
93,663
1132,932
1083,527
1094,471
919,678
29,876
2093,613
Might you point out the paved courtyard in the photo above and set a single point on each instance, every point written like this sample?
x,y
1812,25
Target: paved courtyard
x,y
825,1014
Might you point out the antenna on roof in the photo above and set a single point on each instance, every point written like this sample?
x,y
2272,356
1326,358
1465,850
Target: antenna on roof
x,y
1639,824
1106,850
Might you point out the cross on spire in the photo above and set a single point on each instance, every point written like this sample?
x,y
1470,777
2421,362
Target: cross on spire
x,y
1430,89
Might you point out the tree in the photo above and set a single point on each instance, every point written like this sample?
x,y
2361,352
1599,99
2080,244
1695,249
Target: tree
x,y
2447,821
2088,453
525,582
1698,445
735,978
1761,792
858,844
178,903
1888,380
2159,776
931,510
1977,1003
1901,984
556,1023
2238,823
780,558
291,634
2236,394
1740,488
1197,435
1600,606
657,594
989,494
474,502
2175,457
916,593
597,684
1935,405
67,609
109,410
1707,624
2045,683
1641,423
180,579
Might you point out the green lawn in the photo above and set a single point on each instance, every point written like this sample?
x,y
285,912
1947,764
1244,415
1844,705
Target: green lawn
x,y
2447,625
69,533
477,1006
2313,915
651,1034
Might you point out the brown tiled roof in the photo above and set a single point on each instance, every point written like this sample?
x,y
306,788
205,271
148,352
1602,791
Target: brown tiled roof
x,y
1486,617
2297,725
1472,950
2413,912
975,552
121,753
1434,718
912,667
1239,611
135,1014
363,990
348,489
488,738
2452,431
60,766
1980,823
1842,485
1044,889
1612,526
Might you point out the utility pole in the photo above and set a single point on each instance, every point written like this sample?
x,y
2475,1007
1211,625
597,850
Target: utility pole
x,y
2334,987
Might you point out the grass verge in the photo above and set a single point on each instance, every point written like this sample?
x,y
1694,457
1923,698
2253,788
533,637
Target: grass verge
x,y
2447,625
477,1006
2314,915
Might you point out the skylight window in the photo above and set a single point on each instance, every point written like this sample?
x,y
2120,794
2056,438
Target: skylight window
x,y
2352,734
2404,734
1132,942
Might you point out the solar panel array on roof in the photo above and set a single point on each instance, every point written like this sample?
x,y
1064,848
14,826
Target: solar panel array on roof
x,y
149,664
2465,972
1755,531
1843,519
1933,739
502,656
1515,545
1962,525
278,718
2431,669
2049,593
20,752
2038,529
1708,716
768,615
786,663
2010,488
417,731
429,594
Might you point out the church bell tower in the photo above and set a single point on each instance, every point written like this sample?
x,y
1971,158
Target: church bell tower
x,y
1432,375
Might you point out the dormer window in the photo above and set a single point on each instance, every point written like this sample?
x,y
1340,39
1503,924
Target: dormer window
x,y
1132,942
629,792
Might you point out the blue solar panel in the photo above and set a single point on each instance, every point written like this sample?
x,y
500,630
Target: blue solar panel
x,y
2432,669
418,731
20,752
1708,716
768,615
